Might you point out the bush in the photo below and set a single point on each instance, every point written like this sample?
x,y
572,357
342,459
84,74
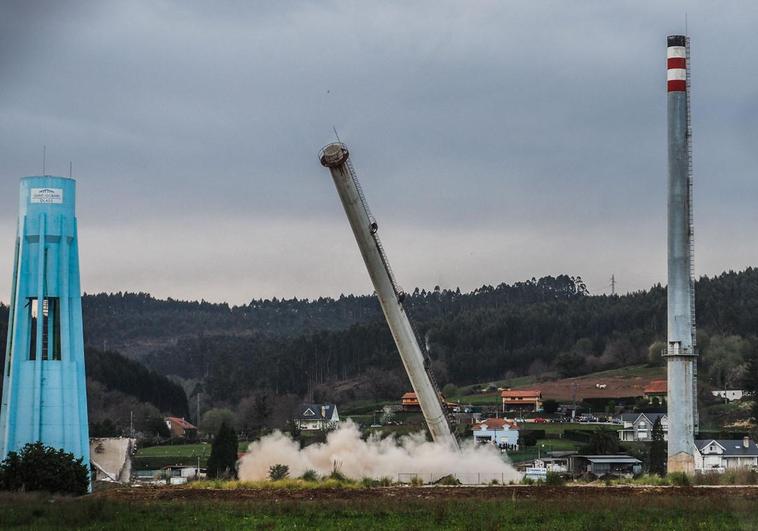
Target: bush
x,y
308,475
553,478
42,468
278,471
448,480
680,479
337,475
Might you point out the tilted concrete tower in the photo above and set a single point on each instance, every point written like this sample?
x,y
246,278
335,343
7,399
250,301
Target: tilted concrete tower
x,y
44,387
336,157
680,353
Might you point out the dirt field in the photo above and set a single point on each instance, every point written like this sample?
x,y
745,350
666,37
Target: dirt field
x,y
400,494
617,385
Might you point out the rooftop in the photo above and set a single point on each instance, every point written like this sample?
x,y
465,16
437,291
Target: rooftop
x,y
732,447
521,393
656,386
180,422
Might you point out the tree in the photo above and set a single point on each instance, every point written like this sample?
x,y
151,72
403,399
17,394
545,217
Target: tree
x,y
750,380
279,471
449,391
222,462
253,413
42,468
658,450
655,354
212,420
603,442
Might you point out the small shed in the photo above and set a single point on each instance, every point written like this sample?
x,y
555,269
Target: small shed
x,y
604,465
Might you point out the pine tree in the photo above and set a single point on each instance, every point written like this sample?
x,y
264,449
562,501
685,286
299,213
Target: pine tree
x,y
222,462
750,379
658,450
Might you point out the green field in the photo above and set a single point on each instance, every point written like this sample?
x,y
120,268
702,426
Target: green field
x,y
530,508
154,457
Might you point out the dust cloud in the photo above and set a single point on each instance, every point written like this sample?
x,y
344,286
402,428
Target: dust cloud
x,y
375,458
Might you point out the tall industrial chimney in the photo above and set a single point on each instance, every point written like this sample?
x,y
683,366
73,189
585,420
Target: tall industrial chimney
x,y
681,353
417,365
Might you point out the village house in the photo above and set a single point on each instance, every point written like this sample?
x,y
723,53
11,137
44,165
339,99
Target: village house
x,y
729,395
317,417
639,426
718,455
656,391
410,402
503,432
521,400
180,428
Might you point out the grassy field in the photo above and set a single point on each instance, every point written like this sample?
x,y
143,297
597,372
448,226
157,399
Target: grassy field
x,y
566,509
154,457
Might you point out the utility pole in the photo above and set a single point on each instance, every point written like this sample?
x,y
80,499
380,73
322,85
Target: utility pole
x,y
131,424
613,284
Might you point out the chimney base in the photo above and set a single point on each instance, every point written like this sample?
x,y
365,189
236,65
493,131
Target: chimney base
x,y
681,462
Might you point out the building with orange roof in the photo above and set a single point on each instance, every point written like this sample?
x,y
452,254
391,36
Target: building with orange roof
x,y
521,399
656,389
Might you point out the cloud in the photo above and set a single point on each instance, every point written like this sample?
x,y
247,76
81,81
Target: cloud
x,y
481,118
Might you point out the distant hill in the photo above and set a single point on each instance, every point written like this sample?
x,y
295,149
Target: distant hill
x,y
304,346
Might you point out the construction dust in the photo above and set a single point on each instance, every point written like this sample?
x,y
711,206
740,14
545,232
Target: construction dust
x,y
355,458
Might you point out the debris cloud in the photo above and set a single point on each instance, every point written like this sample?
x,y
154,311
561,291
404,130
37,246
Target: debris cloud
x,y
355,458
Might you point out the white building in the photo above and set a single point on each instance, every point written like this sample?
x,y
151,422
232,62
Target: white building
x,y
717,455
317,417
639,426
729,394
497,431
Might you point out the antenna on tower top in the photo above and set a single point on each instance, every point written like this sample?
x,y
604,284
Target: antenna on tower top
x,y
334,128
44,160
70,169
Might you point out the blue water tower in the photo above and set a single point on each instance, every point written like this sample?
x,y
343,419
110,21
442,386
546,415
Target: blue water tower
x,y
44,385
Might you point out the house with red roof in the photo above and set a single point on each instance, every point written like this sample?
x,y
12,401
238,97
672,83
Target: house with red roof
x,y
656,389
180,428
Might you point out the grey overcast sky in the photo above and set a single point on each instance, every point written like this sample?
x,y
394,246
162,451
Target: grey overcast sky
x,y
496,141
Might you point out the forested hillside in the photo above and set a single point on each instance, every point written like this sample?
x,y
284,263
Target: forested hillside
x,y
134,322
118,373
302,347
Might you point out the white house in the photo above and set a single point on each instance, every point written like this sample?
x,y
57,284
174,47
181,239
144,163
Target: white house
x,y
729,394
497,431
317,417
716,455
639,426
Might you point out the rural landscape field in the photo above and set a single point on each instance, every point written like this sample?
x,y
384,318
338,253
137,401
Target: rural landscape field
x,y
378,265
545,507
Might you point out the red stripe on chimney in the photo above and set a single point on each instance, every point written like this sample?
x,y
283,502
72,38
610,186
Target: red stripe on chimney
x,y
677,85
677,62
